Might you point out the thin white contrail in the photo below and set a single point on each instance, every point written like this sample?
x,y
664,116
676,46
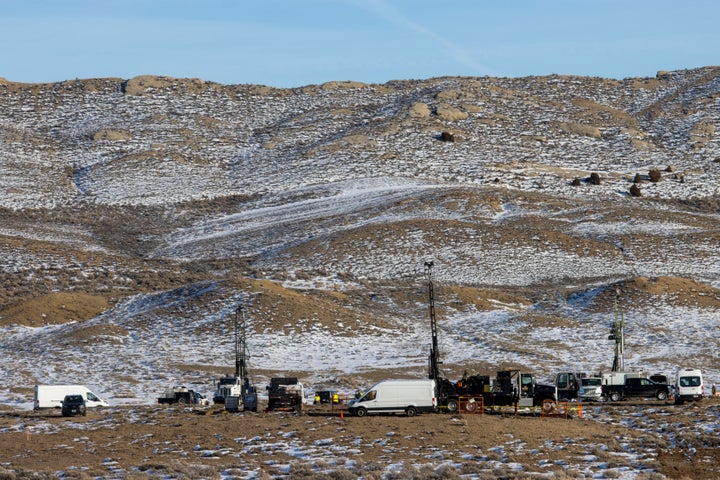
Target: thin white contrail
x,y
390,13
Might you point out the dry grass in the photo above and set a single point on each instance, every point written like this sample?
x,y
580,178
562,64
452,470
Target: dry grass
x,y
142,441
54,308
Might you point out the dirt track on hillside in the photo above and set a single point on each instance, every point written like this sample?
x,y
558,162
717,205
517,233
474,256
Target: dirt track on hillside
x,y
135,442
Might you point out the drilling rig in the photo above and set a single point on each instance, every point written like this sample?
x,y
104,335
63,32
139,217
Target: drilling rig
x,y
445,390
617,333
434,359
509,387
233,389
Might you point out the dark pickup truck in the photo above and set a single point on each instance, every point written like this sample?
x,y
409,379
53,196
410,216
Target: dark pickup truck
x,y
182,395
636,387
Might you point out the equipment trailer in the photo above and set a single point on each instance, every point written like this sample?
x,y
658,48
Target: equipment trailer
x,y
286,394
508,388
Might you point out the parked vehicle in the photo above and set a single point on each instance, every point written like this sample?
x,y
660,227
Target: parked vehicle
x,y
229,385
249,396
508,388
590,389
326,396
568,384
396,396
52,396
620,385
247,399
182,395
285,393
73,405
688,385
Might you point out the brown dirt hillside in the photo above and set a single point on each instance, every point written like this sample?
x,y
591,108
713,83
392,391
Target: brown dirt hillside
x,y
484,299
54,308
646,291
277,307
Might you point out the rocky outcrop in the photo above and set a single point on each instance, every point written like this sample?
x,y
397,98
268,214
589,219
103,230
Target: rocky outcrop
x,y
450,113
420,110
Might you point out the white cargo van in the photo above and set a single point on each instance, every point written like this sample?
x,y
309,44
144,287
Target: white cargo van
x,y
396,396
51,396
688,385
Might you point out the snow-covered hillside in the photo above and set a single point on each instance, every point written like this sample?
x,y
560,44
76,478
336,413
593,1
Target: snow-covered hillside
x,y
175,201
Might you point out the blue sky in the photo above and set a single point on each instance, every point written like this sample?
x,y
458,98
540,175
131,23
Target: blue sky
x,y
289,43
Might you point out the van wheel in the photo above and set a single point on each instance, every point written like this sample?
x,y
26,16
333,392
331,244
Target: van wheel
x,y
411,411
452,405
661,395
361,412
615,396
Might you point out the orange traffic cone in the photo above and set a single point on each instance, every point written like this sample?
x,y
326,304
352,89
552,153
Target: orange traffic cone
x,y
579,410
341,414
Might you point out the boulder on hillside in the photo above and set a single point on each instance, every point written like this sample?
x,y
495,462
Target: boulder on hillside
x,y
447,137
448,112
655,175
420,110
635,191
